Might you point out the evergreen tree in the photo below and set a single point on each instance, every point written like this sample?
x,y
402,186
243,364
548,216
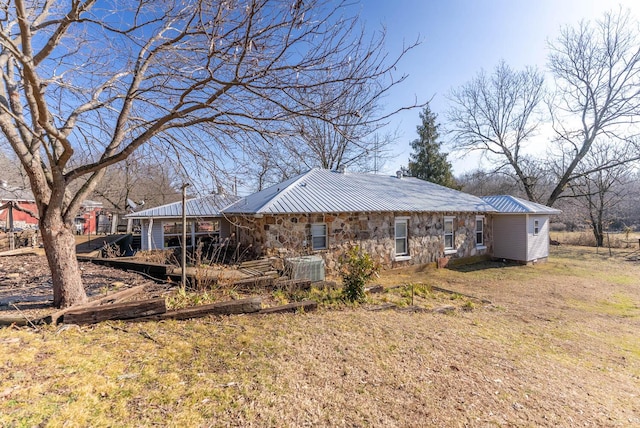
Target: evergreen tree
x,y
427,162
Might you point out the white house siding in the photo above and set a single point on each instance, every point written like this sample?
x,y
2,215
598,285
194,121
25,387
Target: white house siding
x,y
157,231
157,234
510,237
538,244
143,235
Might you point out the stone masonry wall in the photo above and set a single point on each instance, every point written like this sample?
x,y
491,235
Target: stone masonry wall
x,y
290,236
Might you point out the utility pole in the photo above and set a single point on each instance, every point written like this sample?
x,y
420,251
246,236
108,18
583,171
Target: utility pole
x,y
375,154
184,234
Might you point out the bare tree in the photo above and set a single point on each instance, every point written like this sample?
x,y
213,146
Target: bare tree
x,y
85,84
482,183
345,134
139,180
597,72
498,114
600,190
12,172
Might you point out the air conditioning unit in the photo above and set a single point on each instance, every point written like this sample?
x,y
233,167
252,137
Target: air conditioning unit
x,y
305,267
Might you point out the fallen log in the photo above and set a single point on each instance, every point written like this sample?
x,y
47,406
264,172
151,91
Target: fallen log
x,y
242,306
156,270
255,263
374,289
255,282
117,311
382,307
117,297
19,252
19,321
306,306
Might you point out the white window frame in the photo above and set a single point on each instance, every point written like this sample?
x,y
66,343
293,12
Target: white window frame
x,y
213,235
536,227
451,249
405,254
177,234
480,233
314,235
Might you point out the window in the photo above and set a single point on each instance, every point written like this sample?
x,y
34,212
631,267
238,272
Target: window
x,y
402,247
536,227
207,232
448,233
173,234
479,231
319,236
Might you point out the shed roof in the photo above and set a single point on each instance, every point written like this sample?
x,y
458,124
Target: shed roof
x,y
322,191
206,206
11,193
506,204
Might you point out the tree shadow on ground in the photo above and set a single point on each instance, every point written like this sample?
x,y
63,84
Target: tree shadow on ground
x,y
489,264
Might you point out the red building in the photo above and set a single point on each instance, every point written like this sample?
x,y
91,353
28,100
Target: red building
x,y
23,205
92,219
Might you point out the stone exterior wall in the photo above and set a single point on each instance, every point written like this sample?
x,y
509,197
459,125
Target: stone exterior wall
x,y
290,236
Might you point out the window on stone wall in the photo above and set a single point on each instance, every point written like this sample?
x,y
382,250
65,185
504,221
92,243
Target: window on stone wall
x,y
402,242
448,234
479,231
319,236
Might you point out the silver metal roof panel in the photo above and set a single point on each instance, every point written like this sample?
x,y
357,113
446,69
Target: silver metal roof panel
x,y
206,206
324,191
10,193
506,204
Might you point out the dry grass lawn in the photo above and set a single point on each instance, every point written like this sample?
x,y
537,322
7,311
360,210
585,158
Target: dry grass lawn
x,y
559,345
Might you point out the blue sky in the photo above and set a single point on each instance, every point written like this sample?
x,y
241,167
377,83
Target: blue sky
x,y
461,37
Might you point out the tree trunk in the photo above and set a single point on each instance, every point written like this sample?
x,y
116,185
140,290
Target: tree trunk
x,y
598,233
60,247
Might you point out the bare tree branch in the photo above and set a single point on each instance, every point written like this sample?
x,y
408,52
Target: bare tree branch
x,y
498,114
86,84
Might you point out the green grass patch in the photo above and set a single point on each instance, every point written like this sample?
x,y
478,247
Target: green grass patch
x,y
619,305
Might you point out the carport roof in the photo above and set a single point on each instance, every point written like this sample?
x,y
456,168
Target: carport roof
x,y
506,204
206,206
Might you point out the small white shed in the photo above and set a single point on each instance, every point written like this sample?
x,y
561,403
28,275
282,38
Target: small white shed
x,y
520,228
162,226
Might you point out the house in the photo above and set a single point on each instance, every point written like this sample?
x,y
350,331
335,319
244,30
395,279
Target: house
x,y
520,228
161,227
398,220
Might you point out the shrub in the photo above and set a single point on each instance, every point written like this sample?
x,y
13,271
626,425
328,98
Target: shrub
x,y
356,269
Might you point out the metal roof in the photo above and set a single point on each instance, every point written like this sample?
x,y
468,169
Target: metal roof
x,y
506,204
206,206
10,193
324,191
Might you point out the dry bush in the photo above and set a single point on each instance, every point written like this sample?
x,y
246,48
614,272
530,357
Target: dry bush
x,y
586,239
111,251
167,257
